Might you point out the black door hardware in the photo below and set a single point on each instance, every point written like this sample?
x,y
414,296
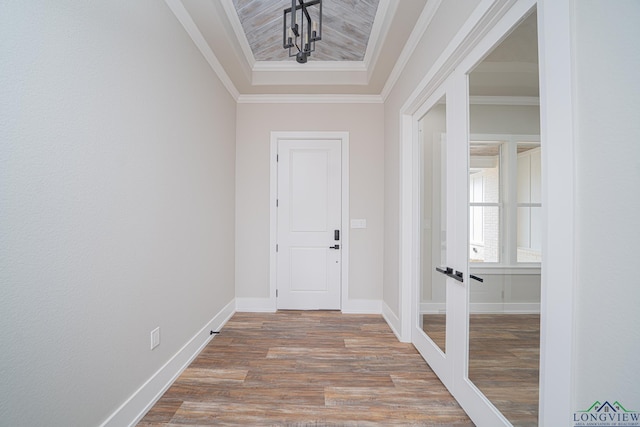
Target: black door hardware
x,y
449,272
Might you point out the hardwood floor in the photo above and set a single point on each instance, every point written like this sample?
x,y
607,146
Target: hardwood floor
x,y
311,368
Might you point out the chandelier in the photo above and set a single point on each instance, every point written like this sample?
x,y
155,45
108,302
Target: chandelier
x,y
302,28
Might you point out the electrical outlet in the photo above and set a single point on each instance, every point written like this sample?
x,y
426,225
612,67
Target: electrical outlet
x,y
155,338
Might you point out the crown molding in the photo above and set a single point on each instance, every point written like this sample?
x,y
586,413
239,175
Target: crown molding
x,y
410,46
379,31
198,39
311,73
310,99
265,73
234,20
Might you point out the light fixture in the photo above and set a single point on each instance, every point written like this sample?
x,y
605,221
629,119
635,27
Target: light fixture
x,y
303,31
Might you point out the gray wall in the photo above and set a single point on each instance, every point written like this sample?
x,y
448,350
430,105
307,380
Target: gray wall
x,y
607,341
116,203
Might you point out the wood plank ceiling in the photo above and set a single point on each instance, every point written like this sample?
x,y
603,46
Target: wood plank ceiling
x,y
345,31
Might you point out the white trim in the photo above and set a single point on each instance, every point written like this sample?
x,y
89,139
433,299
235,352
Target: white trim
x,y
234,20
488,308
504,308
273,218
309,67
255,305
559,276
139,403
433,308
191,28
505,100
410,46
511,270
392,320
362,306
310,99
379,31
310,74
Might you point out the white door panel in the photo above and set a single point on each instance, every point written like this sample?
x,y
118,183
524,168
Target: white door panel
x,y
309,212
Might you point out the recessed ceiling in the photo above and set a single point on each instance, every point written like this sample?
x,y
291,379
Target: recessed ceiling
x,y
361,43
346,27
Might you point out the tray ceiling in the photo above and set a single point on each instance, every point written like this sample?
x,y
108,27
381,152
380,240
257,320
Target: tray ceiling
x,y
346,28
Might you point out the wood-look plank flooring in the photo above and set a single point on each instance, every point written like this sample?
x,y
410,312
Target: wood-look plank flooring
x,y
311,368
504,358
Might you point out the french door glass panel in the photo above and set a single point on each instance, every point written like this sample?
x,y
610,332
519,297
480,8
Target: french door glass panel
x,y
433,218
504,207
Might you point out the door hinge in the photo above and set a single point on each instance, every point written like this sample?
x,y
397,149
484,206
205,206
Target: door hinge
x,y
277,157
276,293
276,203
276,248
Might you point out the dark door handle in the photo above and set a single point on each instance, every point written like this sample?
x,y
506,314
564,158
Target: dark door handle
x,y
478,278
458,276
449,272
334,247
445,270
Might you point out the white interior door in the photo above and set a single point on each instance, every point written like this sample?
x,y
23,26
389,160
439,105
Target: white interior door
x,y
309,225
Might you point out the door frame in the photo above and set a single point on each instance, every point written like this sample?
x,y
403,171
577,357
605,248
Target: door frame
x,y
276,136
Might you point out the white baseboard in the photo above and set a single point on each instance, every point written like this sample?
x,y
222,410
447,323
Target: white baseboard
x,y
488,308
506,308
268,305
392,320
433,307
256,305
137,405
362,306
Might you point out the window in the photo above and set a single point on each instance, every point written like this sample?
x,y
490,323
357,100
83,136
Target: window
x,y
504,202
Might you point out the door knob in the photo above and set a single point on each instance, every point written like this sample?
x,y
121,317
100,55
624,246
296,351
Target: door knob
x,y
334,247
478,278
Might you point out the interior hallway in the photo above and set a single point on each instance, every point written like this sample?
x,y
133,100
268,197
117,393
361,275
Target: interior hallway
x,y
307,368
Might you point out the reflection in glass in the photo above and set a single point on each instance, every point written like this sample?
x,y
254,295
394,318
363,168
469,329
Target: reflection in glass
x,y
504,228
529,190
433,216
484,202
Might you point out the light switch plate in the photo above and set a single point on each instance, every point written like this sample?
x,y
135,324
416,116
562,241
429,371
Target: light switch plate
x,y
358,223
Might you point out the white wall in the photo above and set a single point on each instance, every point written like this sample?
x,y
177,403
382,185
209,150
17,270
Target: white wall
x,y
607,343
116,203
447,21
364,122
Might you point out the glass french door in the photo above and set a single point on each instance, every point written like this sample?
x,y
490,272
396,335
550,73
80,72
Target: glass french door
x,y
455,203
432,322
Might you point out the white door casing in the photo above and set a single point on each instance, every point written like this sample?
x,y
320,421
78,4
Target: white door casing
x,y
309,221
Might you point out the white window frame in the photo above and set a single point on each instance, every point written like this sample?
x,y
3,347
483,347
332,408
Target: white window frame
x,y
508,206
